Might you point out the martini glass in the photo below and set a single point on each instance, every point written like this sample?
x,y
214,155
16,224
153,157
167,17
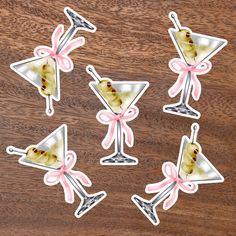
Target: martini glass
x,y
31,69
129,93
202,173
56,144
205,47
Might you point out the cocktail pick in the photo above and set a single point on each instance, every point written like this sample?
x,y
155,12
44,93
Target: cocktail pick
x,y
51,154
195,50
192,169
119,97
42,71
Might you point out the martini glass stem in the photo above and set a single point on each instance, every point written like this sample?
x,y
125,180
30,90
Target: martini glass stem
x,y
185,91
118,138
66,38
162,195
76,186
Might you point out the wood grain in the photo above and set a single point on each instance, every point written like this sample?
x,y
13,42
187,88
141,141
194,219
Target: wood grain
x,y
131,43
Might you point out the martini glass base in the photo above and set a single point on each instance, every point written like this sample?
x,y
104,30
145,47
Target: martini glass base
x,y
147,208
89,202
182,109
119,159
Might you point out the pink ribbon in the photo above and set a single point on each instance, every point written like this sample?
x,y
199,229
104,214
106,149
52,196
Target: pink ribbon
x,y
180,67
62,58
170,172
109,118
53,177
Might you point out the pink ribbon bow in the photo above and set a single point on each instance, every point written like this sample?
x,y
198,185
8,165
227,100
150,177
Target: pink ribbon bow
x,y
62,58
170,172
180,67
53,177
109,118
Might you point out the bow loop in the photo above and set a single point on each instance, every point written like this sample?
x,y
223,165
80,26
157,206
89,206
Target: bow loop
x,y
180,67
106,117
62,58
70,160
109,118
188,186
202,67
53,177
168,170
171,173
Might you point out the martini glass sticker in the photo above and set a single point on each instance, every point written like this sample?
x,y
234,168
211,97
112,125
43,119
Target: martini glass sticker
x,y
192,169
119,97
51,154
195,51
43,69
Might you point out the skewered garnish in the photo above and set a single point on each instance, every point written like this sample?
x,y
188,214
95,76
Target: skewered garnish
x,y
109,93
41,157
47,74
185,41
48,79
190,158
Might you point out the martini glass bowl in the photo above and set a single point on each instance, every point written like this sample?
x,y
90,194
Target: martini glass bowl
x,y
127,93
43,72
205,48
202,172
56,144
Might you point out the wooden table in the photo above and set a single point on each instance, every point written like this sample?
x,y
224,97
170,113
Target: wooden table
x,y
131,43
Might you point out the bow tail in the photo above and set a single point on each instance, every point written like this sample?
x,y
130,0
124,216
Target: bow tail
x,y
110,136
68,190
129,135
154,188
175,89
196,92
84,179
171,200
73,44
